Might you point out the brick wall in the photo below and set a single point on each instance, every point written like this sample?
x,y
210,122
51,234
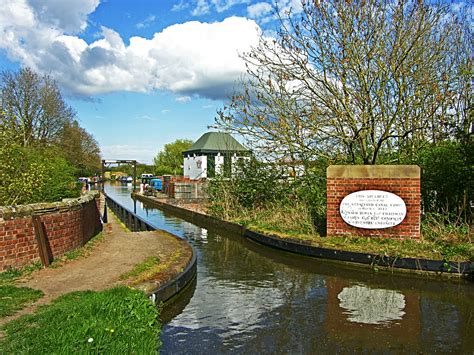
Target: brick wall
x,y
68,225
402,180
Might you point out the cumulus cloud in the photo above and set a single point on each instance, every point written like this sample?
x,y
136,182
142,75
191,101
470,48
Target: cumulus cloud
x,y
146,22
188,59
259,9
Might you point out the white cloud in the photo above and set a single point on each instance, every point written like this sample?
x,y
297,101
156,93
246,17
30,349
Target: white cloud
x,y
188,59
165,111
202,8
259,9
183,99
146,22
180,6
69,16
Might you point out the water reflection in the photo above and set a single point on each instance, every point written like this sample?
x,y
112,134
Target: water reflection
x,y
371,306
254,299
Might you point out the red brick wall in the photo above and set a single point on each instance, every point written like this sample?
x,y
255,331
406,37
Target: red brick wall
x,y
68,226
408,188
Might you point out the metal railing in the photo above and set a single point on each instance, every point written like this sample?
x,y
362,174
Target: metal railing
x,y
129,218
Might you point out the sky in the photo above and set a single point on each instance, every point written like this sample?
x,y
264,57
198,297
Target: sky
x,y
142,73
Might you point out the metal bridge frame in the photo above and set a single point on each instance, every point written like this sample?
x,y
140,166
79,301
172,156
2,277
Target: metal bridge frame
x,y
108,163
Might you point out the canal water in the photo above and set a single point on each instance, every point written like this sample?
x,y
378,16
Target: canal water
x,y
253,299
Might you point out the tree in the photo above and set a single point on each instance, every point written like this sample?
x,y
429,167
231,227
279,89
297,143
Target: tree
x,y
355,81
32,107
29,175
80,149
170,159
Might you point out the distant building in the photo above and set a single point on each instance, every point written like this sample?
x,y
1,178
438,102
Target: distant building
x,y
213,154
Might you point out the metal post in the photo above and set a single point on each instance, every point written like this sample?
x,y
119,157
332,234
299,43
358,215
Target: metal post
x,y
134,174
102,177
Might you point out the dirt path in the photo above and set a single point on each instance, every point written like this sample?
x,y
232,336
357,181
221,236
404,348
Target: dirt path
x,y
117,254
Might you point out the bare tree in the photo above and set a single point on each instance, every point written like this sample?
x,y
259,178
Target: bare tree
x,y
32,107
353,81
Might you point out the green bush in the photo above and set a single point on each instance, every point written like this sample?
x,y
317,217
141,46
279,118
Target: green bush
x,y
447,185
29,175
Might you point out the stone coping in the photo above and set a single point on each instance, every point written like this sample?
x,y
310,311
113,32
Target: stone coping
x,y
164,293
69,204
373,172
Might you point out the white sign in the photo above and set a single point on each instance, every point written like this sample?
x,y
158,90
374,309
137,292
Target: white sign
x,y
372,209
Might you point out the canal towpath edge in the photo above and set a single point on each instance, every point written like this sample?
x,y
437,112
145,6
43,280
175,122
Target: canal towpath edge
x,y
117,254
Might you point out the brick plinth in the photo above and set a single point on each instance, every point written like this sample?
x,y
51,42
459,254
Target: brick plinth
x,y
402,180
68,225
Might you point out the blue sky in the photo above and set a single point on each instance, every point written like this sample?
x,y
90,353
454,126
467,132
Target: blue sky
x,y
139,73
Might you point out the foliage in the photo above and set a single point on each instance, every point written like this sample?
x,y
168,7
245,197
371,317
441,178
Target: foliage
x,y
30,175
449,239
448,180
42,148
115,321
32,107
353,80
15,298
170,159
80,149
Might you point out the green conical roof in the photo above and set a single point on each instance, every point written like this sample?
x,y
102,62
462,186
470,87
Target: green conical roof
x,y
214,142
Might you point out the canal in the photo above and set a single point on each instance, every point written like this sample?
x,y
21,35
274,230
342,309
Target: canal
x,y
250,298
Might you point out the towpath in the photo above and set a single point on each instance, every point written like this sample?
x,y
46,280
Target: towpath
x,y
116,255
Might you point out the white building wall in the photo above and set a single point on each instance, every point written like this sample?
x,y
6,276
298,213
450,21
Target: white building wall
x,y
195,167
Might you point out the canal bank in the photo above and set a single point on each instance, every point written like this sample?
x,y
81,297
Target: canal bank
x,y
249,298
374,261
155,262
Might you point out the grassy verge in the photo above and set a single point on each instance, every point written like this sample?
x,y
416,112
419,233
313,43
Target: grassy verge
x,y
439,241
148,270
114,321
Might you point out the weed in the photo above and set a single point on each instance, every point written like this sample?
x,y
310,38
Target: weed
x,y
141,268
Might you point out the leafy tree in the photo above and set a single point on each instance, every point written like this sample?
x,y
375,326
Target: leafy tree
x,y
32,107
80,149
170,159
355,81
29,175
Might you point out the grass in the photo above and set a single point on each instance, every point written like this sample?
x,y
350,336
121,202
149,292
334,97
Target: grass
x,y
13,299
439,241
114,321
148,269
12,274
140,268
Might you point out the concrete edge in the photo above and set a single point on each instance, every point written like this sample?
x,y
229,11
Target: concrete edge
x,y
373,172
437,267
178,283
174,286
